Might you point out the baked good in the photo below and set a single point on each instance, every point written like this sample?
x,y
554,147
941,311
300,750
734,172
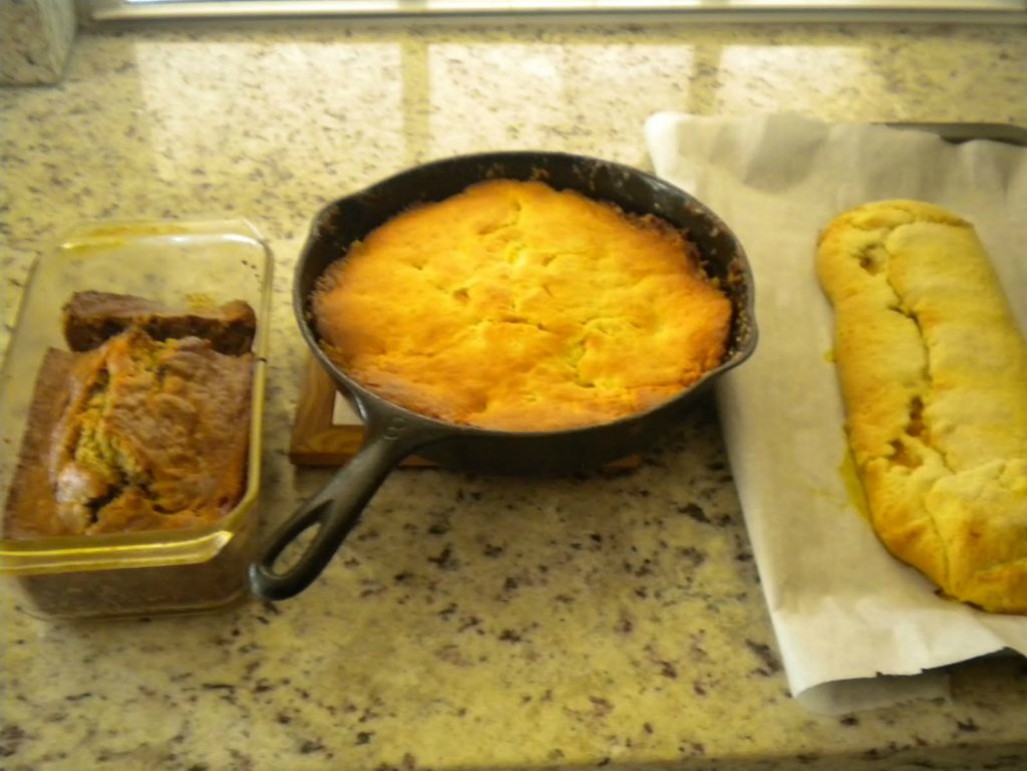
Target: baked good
x,y
31,508
933,371
135,434
90,318
518,307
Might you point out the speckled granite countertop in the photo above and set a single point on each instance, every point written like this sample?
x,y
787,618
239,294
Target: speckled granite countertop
x,y
470,622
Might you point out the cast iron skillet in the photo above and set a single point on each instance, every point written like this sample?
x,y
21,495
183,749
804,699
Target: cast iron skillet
x,y
392,432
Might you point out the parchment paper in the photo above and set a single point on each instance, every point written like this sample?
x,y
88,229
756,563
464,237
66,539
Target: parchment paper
x,y
853,624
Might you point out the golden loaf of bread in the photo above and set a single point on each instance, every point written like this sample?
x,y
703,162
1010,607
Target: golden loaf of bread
x,y
933,371
518,307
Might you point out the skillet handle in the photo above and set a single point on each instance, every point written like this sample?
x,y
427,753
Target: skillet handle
x,y
336,509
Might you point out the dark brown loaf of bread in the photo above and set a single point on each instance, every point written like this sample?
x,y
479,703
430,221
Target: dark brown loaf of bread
x,y
90,318
136,434
31,507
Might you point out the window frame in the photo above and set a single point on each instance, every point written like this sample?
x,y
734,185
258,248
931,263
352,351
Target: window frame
x,y
967,11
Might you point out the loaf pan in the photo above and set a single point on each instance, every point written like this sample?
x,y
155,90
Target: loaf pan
x,y
132,574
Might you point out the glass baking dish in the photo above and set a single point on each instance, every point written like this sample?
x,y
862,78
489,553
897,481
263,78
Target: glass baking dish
x,y
181,264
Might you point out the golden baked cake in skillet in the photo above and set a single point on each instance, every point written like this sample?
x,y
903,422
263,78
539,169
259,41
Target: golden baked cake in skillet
x,y
514,306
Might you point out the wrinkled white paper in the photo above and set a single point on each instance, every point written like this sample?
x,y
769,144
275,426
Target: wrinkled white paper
x,y
849,618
